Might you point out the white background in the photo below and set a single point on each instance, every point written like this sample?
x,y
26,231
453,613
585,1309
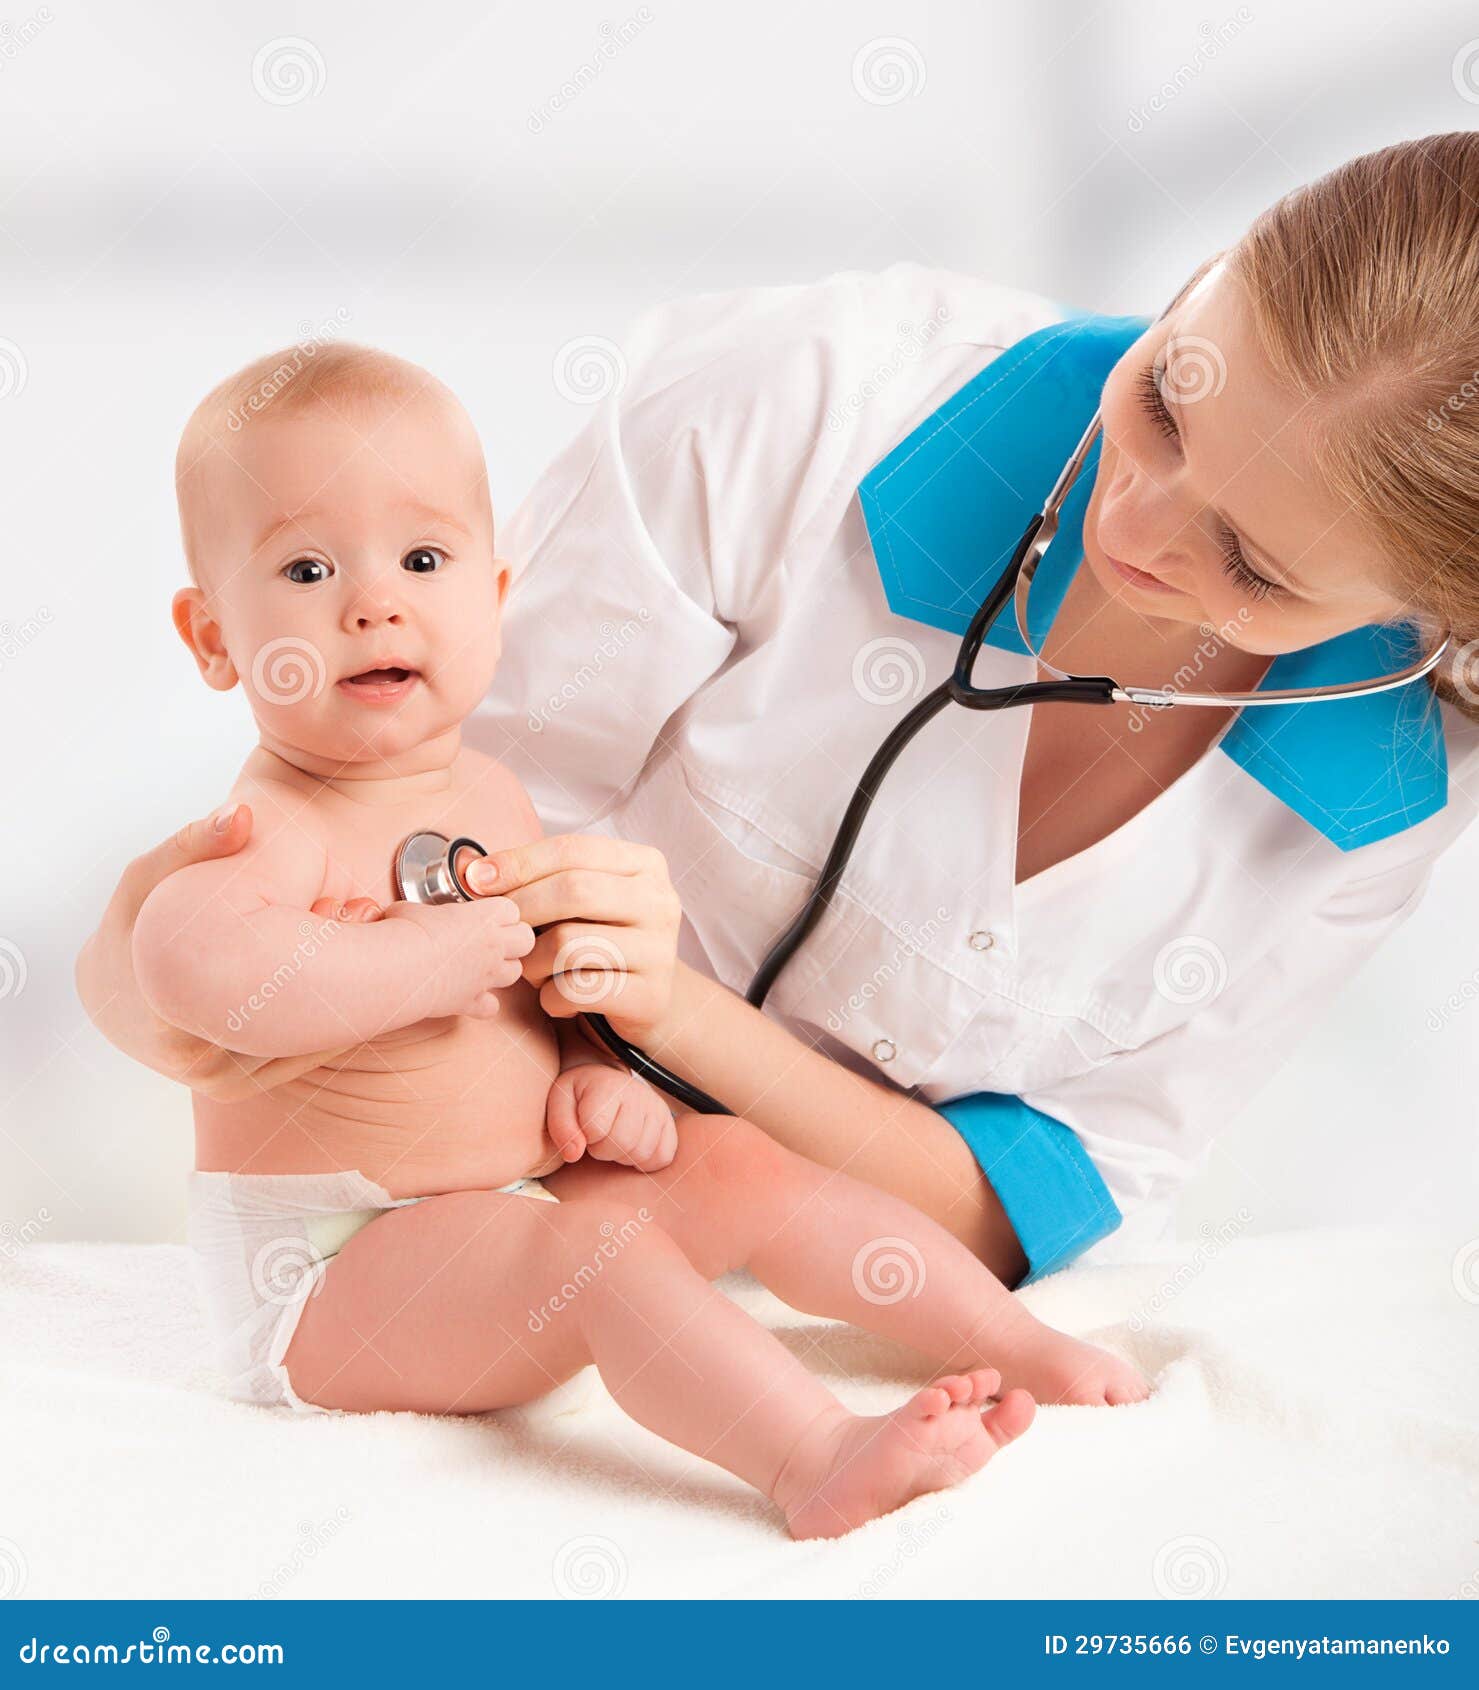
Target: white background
x,y
161,222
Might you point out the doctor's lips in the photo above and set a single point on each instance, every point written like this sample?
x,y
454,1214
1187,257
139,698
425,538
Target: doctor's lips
x,y
1138,577
386,683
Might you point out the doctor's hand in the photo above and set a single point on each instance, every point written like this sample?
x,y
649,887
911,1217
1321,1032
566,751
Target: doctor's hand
x,y
110,991
607,920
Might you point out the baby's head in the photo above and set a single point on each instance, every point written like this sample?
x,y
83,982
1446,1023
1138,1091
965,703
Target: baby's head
x,y
335,512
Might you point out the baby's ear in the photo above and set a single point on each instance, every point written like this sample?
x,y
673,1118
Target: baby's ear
x,y
503,572
202,633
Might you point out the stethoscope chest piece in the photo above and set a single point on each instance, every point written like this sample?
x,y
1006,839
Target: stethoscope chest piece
x,y
427,871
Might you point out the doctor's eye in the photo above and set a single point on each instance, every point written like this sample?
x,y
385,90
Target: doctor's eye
x,y
1256,586
424,560
1148,385
308,571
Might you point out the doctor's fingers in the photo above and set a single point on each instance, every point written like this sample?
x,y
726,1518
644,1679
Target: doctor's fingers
x,y
521,866
591,956
582,894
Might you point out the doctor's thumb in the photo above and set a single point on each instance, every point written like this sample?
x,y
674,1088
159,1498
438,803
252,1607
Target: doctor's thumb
x,y
220,834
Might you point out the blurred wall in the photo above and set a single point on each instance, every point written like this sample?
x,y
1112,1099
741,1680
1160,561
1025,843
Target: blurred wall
x,y
473,186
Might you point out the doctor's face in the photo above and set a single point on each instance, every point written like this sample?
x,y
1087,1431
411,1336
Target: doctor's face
x,y
1207,507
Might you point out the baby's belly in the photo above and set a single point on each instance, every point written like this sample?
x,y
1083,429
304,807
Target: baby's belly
x,y
447,1105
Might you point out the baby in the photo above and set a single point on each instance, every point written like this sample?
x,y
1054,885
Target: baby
x,y
373,1235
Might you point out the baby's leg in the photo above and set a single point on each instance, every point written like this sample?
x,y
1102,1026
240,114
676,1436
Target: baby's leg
x,y
835,1246
477,1300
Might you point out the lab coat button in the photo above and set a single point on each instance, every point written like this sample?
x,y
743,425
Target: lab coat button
x,y
981,940
884,1050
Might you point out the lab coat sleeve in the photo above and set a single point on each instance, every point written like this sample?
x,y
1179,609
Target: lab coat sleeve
x,y
661,541
1147,1116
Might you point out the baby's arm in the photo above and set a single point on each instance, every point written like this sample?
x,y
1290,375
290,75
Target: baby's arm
x,y
230,950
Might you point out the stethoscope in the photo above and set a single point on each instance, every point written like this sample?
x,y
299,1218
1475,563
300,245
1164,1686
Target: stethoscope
x,y
428,867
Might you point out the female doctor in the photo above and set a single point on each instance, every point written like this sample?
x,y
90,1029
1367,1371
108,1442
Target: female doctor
x,y
1071,941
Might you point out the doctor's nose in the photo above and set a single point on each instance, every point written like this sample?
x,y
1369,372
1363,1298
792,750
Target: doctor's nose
x,y
1144,525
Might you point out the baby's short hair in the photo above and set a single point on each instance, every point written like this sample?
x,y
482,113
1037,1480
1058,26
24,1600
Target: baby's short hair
x,y
339,375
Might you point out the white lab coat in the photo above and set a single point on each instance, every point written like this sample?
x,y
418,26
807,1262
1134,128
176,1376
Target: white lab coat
x,y
699,655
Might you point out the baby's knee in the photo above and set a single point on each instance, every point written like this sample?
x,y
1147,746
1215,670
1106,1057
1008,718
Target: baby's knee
x,y
730,1151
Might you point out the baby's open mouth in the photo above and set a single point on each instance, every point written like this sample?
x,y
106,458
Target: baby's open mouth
x,y
392,681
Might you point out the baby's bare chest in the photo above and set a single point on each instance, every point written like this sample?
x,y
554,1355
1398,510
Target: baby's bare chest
x,y
362,848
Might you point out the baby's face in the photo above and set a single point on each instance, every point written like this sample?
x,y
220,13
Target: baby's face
x,y
347,579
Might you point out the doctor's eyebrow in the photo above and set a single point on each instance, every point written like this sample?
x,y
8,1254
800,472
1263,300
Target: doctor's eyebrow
x,y
1280,573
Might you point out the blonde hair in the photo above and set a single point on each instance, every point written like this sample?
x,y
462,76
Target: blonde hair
x,y
1364,287
339,375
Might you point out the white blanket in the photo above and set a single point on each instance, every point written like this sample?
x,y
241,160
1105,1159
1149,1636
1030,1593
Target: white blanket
x,y
1314,1432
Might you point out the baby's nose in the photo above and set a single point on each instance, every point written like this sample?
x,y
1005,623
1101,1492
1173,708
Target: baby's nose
x,y
373,610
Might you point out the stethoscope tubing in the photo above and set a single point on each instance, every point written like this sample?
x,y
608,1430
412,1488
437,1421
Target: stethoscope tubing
x,y
1013,583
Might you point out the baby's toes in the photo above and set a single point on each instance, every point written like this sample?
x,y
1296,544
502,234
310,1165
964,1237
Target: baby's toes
x,y
985,1384
1125,1385
932,1400
957,1386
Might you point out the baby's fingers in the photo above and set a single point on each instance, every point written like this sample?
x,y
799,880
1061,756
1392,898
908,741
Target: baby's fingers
x,y
517,941
561,1124
356,910
667,1145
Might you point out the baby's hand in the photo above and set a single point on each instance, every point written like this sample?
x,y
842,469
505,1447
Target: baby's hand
x,y
474,952
609,1114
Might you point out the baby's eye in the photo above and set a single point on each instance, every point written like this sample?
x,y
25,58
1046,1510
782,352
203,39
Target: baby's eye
x,y
423,561
308,571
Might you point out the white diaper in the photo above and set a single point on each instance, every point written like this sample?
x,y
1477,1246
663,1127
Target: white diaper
x,y
262,1244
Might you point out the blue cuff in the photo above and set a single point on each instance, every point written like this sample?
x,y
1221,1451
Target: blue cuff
x,y
1053,1194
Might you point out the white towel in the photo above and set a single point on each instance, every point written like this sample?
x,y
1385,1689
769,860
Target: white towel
x,y
1315,1432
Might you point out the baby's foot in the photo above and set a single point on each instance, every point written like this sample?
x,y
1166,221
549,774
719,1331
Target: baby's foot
x,y
1058,1369
852,1468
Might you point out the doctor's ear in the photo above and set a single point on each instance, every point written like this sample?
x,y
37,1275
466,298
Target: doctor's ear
x,y
202,633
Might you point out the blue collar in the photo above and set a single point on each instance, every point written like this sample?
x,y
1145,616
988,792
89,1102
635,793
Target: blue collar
x,y
946,507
